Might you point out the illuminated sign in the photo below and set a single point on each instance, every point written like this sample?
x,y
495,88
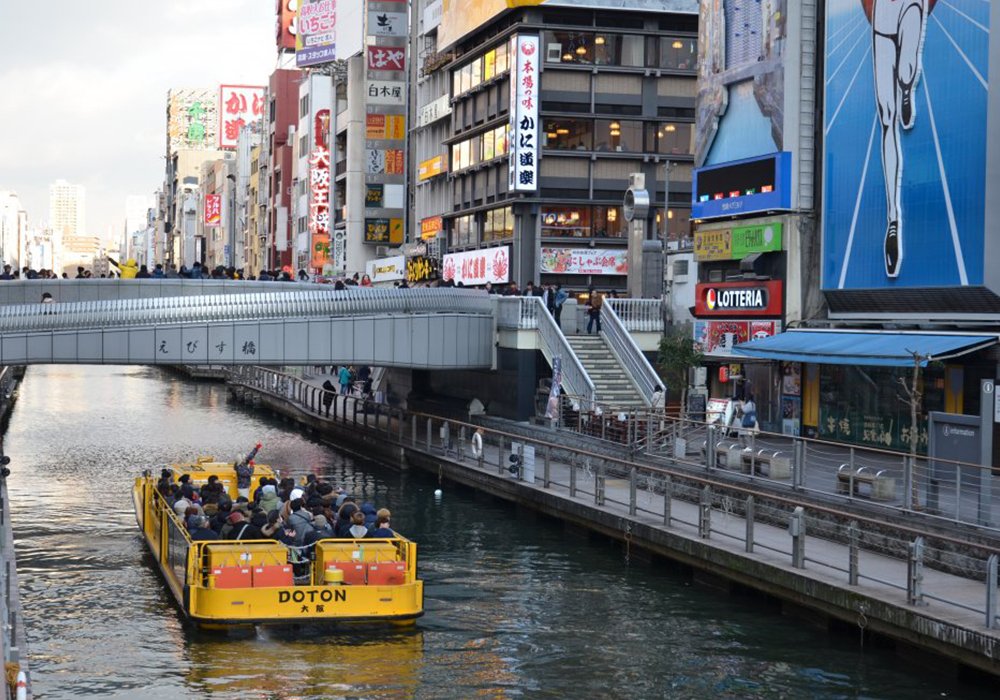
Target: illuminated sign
x,y
316,32
386,269
478,266
421,269
387,58
743,187
585,261
738,299
523,162
431,168
213,210
738,242
431,227
382,230
319,206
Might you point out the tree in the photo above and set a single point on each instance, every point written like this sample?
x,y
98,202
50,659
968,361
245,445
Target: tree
x,y
914,397
678,354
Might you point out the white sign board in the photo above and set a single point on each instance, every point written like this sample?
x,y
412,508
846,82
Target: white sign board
x,y
719,411
386,269
523,163
430,113
474,267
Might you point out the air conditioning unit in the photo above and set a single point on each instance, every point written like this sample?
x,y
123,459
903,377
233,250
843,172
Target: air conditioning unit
x,y
553,53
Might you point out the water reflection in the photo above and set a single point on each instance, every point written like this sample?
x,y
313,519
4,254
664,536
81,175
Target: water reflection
x,y
515,604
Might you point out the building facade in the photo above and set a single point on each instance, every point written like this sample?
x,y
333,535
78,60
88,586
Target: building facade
x,y
68,208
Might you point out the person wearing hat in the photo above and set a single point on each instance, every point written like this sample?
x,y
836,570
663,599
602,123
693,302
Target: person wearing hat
x,y
269,498
243,529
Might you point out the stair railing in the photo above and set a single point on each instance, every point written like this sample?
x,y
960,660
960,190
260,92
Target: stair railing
x,y
628,354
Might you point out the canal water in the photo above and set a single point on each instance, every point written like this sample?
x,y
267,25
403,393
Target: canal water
x,y
516,606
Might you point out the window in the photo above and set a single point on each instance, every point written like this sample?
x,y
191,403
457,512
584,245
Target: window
x,y
502,61
568,134
498,224
463,231
569,47
489,65
569,221
669,138
608,222
479,149
618,50
618,135
678,226
475,73
679,53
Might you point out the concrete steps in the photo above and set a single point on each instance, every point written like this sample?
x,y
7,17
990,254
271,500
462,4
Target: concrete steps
x,y
613,386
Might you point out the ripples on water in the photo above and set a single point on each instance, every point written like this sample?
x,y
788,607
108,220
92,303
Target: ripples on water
x,y
516,606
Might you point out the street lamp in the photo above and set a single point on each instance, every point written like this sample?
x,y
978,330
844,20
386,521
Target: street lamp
x,y
230,247
664,302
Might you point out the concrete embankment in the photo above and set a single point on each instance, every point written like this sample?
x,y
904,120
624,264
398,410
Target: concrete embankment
x,y
736,537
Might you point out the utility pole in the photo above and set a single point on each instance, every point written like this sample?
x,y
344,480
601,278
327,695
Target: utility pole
x,y
664,300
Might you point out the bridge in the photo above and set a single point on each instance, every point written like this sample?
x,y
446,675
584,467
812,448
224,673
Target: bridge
x,y
223,322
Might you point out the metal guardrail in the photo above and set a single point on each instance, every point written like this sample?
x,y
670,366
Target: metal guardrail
x,y
73,290
638,315
664,490
239,307
525,313
629,355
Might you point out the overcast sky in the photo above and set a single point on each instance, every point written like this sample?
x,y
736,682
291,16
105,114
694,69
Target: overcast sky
x,y
83,89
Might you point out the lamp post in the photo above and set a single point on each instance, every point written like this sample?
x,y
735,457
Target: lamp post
x,y
664,301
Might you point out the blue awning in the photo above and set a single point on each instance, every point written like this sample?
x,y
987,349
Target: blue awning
x,y
883,348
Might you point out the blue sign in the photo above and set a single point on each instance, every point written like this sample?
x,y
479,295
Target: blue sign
x,y
904,161
743,187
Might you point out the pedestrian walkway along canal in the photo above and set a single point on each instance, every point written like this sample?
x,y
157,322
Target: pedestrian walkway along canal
x,y
516,605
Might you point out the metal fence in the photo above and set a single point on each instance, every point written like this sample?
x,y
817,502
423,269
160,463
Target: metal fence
x,y
638,315
699,504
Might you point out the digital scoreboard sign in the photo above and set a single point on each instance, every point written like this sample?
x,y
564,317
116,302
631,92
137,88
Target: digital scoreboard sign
x,y
743,187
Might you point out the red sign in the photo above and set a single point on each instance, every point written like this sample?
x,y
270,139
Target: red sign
x,y
284,30
387,58
478,266
738,299
238,105
213,209
718,338
319,206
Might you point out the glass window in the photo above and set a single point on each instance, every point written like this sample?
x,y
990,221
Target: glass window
x,y
498,224
463,231
678,226
618,135
456,158
465,154
489,146
608,222
679,53
500,140
502,64
669,138
489,65
568,134
568,221
476,72
618,50
569,47
466,74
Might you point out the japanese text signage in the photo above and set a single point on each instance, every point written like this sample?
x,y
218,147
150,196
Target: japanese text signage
x,y
383,230
285,26
387,58
421,269
319,206
386,269
380,127
213,210
386,92
386,23
478,266
316,32
238,105
737,243
523,163
719,337
431,227
738,299
585,261
431,167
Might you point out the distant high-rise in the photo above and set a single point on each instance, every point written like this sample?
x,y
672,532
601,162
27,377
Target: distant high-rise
x,y
67,208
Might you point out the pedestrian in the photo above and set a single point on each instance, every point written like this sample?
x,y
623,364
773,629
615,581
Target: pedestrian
x,y
329,391
560,298
594,303
344,375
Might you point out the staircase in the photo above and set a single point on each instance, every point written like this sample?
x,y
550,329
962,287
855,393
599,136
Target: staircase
x,y
614,388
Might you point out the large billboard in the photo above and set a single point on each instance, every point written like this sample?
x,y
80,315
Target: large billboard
x,y
461,17
316,32
192,119
239,105
905,186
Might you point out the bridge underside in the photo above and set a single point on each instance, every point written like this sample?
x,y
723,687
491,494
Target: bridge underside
x,y
420,341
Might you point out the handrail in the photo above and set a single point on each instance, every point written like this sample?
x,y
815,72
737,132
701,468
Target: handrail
x,y
624,347
575,378
231,307
639,315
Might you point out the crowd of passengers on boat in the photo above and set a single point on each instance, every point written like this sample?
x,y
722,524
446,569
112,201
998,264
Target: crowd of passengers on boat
x,y
297,515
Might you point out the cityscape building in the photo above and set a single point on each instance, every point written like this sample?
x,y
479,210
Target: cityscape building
x,y
13,229
67,208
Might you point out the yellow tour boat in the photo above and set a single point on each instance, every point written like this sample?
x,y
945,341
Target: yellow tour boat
x,y
218,583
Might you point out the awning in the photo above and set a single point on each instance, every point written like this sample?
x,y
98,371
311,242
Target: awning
x,y
883,348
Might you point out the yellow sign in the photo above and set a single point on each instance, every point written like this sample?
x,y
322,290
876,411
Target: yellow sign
x,y
713,245
383,126
431,167
431,227
396,231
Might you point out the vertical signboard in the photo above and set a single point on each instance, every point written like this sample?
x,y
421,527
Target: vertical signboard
x,y
319,192
238,105
385,121
213,210
285,26
523,162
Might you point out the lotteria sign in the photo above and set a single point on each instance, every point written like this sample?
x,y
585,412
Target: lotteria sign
x,y
738,299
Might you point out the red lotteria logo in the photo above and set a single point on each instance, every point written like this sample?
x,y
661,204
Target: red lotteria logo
x,y
528,48
710,299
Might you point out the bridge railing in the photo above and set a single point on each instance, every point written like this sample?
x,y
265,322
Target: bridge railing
x,y
638,315
629,355
356,301
658,492
523,313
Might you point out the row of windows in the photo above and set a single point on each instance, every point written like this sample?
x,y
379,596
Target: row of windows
x,y
481,148
488,66
618,135
629,50
495,224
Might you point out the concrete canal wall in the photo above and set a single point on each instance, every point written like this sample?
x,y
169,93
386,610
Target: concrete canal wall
x,y
864,573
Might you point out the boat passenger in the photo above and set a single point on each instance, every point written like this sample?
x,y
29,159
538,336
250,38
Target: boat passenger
x,y
382,524
261,483
181,505
357,530
370,514
300,520
275,529
212,491
242,529
268,498
201,531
